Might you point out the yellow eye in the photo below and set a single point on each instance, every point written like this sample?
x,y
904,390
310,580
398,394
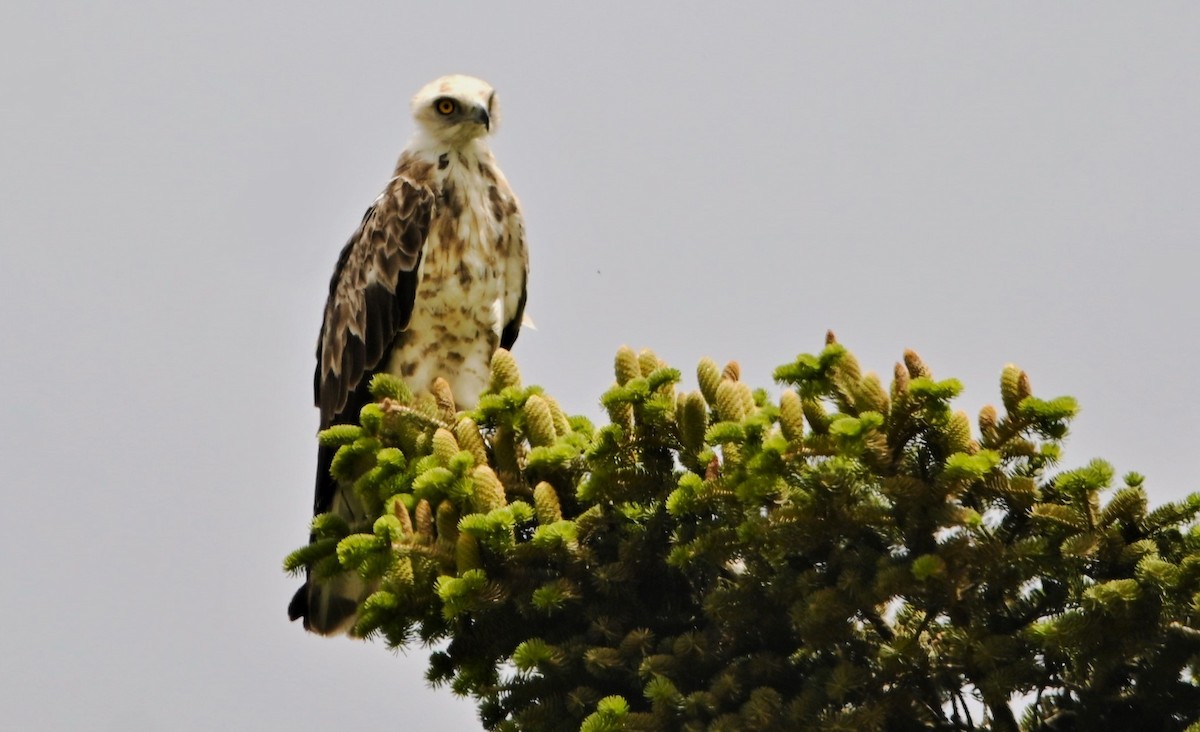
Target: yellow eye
x,y
445,106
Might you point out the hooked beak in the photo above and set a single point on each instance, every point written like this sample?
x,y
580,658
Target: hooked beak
x,y
481,116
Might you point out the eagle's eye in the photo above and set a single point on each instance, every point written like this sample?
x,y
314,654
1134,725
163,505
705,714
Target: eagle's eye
x,y
445,106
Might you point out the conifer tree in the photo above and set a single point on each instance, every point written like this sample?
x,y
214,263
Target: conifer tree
x,y
848,556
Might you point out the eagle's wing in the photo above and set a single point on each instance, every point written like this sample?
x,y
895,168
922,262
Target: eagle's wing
x,y
371,295
516,276
370,303
509,335
371,298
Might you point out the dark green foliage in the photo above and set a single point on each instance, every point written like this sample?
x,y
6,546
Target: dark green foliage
x,y
848,557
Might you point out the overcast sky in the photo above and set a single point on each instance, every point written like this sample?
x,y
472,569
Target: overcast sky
x,y
982,182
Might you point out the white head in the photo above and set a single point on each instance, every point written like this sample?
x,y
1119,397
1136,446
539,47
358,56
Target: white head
x,y
457,109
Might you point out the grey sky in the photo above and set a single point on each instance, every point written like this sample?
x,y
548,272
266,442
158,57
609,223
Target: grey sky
x,y
983,182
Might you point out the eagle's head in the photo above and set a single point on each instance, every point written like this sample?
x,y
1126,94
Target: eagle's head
x,y
456,109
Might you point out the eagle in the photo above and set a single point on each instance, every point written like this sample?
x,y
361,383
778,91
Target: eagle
x,y
430,285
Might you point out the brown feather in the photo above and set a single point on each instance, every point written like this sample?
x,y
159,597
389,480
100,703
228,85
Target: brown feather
x,y
373,288
513,327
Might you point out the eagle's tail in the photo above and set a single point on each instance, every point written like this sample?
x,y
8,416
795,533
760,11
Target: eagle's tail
x,y
330,606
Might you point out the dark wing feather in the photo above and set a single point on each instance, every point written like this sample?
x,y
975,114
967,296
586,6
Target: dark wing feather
x,y
513,327
371,298
371,295
370,303
517,269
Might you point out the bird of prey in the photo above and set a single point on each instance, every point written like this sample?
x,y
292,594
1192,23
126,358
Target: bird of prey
x,y
430,285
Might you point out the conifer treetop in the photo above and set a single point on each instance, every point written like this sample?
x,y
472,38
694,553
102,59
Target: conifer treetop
x,y
847,556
